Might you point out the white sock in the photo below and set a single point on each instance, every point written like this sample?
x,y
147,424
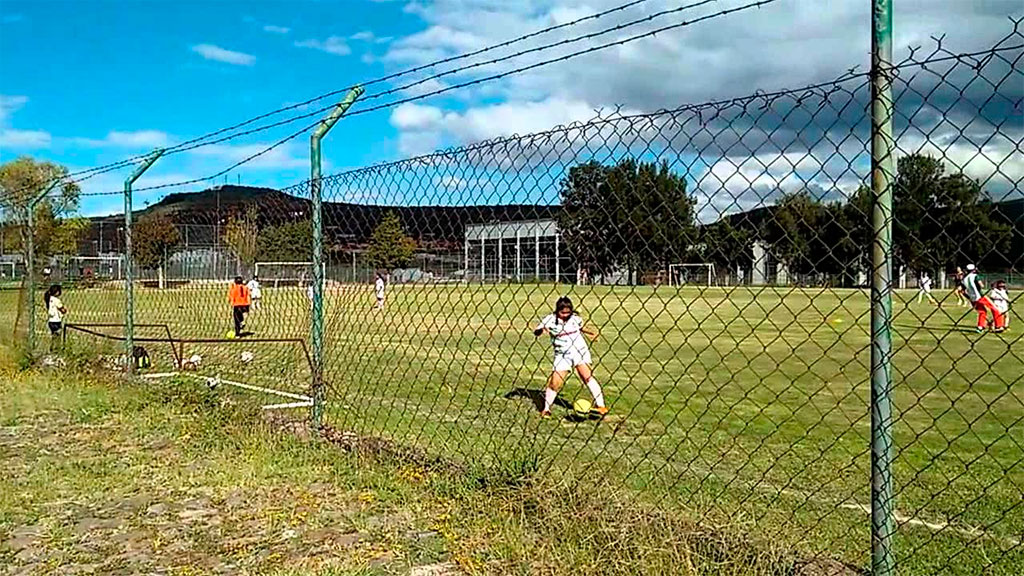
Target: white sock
x,y
549,398
595,391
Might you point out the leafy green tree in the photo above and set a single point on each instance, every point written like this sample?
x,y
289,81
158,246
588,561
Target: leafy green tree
x,y
795,232
154,237
69,234
724,245
941,219
634,215
22,180
390,247
242,235
288,242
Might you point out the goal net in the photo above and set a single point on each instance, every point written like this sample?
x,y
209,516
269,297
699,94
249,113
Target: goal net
x,y
699,274
7,271
278,274
100,268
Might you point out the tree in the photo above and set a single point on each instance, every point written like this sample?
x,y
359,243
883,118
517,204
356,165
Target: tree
x,y
69,234
153,238
635,215
242,235
390,247
941,219
21,181
288,242
795,232
725,246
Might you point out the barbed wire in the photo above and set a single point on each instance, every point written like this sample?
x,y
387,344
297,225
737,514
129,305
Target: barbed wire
x,y
563,58
138,158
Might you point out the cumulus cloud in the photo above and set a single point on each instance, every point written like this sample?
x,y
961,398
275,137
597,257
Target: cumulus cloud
x,y
218,54
128,139
745,153
276,29
333,45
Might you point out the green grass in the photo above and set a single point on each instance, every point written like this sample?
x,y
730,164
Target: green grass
x,y
735,405
115,478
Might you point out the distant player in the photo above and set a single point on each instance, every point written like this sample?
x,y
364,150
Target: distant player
x,y
378,291
566,330
924,288
240,300
1001,300
973,289
255,292
55,312
958,288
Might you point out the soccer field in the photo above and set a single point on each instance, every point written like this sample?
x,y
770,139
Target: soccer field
x,y
745,406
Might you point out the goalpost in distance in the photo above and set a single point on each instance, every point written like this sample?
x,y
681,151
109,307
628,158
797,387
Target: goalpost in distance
x,y
287,273
694,274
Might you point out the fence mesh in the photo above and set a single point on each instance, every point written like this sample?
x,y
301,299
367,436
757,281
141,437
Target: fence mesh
x,y
722,253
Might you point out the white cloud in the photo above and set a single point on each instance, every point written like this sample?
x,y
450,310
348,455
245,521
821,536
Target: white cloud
x,y
218,54
14,139
411,116
9,105
364,36
288,155
24,139
131,139
333,45
276,29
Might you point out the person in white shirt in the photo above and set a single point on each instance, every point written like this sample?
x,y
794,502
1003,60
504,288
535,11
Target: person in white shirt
x,y
566,330
55,312
924,289
378,291
1001,300
973,289
255,292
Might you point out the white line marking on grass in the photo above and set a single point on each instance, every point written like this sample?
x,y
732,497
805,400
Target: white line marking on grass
x,y
971,531
302,398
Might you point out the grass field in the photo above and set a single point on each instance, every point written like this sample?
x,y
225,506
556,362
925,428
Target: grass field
x,y
741,406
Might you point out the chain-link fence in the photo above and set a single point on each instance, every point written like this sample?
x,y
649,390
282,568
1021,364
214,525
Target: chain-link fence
x,y
718,260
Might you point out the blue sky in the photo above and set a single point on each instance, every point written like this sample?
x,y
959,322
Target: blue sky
x,y
84,83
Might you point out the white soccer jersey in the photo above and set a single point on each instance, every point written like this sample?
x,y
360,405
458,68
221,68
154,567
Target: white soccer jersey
x,y
53,310
565,336
378,288
254,289
1000,299
926,283
970,285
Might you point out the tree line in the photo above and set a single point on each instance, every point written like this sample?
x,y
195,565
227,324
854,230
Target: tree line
x,y
638,216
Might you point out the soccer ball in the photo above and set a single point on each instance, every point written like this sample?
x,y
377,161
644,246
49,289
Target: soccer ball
x,y
247,356
581,406
230,334
213,382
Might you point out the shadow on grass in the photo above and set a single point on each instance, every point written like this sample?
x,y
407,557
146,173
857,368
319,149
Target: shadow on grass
x,y
537,397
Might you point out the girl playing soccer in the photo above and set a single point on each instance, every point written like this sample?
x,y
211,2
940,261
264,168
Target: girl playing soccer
x,y
571,351
55,312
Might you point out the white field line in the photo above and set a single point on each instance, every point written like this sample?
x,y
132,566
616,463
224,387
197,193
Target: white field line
x,y
302,398
970,531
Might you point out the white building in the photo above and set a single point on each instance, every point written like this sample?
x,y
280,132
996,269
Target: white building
x,y
518,251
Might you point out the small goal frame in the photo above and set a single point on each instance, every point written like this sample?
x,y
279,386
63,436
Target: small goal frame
x,y
306,265
673,272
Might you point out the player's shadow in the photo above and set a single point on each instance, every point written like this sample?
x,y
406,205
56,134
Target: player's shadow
x,y
535,396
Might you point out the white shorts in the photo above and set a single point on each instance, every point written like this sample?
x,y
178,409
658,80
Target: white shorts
x,y
566,361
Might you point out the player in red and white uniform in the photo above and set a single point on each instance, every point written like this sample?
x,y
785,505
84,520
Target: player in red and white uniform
x,y
973,289
566,330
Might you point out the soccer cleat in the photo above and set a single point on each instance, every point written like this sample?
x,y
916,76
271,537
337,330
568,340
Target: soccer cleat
x,y
979,330
600,410
545,414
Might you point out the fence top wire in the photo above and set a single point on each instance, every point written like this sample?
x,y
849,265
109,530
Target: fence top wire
x,y
707,111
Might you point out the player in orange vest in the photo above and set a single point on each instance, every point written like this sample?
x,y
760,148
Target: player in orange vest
x,y
240,299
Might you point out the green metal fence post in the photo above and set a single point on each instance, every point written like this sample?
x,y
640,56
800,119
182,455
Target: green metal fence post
x,y
317,322
129,292
882,171
30,248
